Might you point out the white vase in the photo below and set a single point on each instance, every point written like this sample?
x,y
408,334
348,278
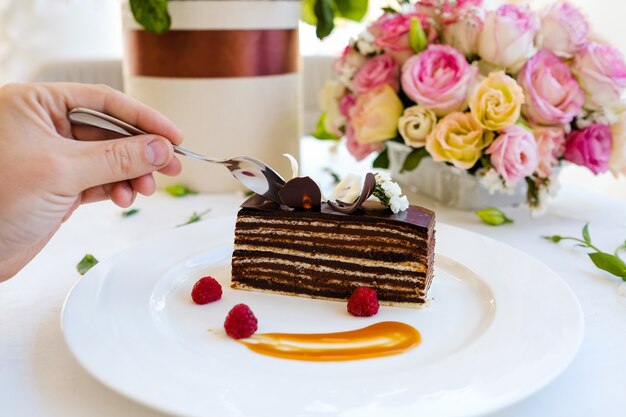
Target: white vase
x,y
228,74
446,184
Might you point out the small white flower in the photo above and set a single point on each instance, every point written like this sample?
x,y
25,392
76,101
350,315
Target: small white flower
x,y
365,44
398,203
389,193
391,188
544,195
553,186
539,210
494,183
586,118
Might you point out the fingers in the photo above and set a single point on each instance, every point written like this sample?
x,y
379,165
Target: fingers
x,y
111,161
95,194
123,194
117,104
144,185
173,168
120,193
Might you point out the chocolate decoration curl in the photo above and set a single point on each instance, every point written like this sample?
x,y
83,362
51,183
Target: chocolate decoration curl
x,y
301,193
368,188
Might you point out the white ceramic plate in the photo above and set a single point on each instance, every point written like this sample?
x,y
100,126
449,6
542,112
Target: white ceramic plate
x,y
501,326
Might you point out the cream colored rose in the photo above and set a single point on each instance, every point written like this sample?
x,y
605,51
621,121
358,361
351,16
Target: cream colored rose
x,y
329,102
375,115
416,124
497,101
459,139
617,163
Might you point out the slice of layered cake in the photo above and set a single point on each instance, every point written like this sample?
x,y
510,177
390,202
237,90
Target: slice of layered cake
x,y
326,250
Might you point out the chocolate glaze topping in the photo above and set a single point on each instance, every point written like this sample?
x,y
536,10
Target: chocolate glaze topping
x,y
414,215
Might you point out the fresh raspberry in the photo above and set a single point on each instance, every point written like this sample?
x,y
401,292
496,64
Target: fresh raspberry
x,y
240,322
206,290
363,302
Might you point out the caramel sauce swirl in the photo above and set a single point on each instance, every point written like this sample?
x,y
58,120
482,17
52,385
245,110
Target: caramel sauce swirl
x,y
380,339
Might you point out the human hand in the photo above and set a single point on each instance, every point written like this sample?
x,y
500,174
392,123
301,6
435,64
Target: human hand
x,y
48,167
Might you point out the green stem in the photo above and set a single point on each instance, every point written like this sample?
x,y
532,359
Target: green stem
x,y
586,244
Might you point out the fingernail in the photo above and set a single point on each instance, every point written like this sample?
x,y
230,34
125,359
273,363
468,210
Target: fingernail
x,y
158,152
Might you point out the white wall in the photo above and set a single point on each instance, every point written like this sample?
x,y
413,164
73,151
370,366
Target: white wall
x,y
33,32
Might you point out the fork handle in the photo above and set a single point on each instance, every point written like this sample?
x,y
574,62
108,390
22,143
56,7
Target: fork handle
x,y
88,117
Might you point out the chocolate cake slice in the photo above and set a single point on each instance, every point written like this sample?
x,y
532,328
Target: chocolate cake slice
x,y
327,254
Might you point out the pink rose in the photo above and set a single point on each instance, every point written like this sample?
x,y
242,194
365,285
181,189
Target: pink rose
x,y
563,30
514,154
601,71
507,38
590,147
391,32
553,95
348,64
382,69
357,150
550,147
446,10
462,32
439,79
345,104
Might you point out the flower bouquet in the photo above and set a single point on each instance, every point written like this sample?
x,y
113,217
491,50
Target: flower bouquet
x,y
504,95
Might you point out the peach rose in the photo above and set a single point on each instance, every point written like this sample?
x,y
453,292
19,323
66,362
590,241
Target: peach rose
x,y
497,101
416,124
459,139
550,147
330,97
617,162
375,115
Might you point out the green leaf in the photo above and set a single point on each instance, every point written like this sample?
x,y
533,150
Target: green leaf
x,y
609,263
320,131
586,235
179,190
85,264
195,217
382,160
130,212
152,14
308,14
417,36
413,159
325,18
553,238
493,216
390,10
351,9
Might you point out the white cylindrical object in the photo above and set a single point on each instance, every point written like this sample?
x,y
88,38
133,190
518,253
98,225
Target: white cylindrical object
x,y
228,74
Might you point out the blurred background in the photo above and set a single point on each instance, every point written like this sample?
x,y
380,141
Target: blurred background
x,y
81,40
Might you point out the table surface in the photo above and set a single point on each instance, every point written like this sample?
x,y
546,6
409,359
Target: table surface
x,y
39,376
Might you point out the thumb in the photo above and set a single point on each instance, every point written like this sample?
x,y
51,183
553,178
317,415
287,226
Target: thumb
x,y
109,161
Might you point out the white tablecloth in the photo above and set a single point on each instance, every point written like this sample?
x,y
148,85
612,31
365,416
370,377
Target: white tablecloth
x,y
39,376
